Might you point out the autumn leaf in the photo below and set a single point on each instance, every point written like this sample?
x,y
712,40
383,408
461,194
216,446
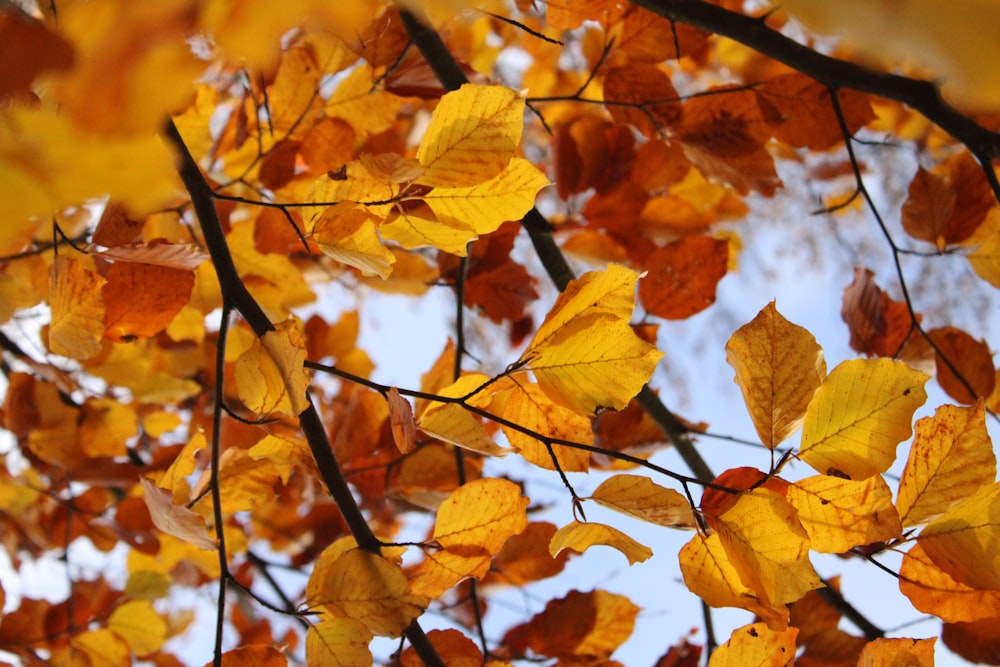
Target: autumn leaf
x,y
338,642
585,355
951,458
779,366
581,536
643,499
682,276
404,429
642,95
175,520
879,326
962,540
934,591
858,416
140,300
451,645
270,376
840,514
964,364
528,406
885,652
454,424
77,309
480,516
756,644
140,626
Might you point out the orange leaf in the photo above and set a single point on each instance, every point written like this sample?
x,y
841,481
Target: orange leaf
x,y
892,652
528,406
338,642
142,299
962,541
934,591
840,514
404,428
640,94
779,366
581,536
77,322
580,625
29,48
978,641
682,276
441,570
951,458
525,557
253,656
756,644
972,360
648,37
879,326
947,204
455,649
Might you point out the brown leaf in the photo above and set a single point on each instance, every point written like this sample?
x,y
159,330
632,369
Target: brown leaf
x,y
182,256
116,227
141,299
970,357
977,642
683,275
643,96
28,48
404,428
947,204
648,37
879,325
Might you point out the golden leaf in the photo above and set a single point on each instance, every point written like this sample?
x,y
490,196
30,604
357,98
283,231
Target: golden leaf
x,y
951,458
759,645
709,573
840,514
480,516
105,427
338,642
474,132
585,355
884,652
643,499
441,570
347,233
779,366
933,591
581,536
768,547
138,624
369,589
102,647
858,416
453,423
962,541
270,376
528,406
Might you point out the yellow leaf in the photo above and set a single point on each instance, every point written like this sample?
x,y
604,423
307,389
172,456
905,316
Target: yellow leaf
x,y
840,514
644,499
581,536
138,624
270,376
354,183
528,406
175,478
951,458
244,481
101,647
347,234
175,520
768,547
859,415
365,108
485,205
77,323
441,570
281,285
778,368
23,283
474,132
453,423
932,591
338,642
417,226
585,355
709,574
106,426
757,645
963,541
173,551
480,516
898,652
369,589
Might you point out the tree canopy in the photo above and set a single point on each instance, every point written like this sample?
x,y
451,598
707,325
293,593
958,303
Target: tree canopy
x,y
200,198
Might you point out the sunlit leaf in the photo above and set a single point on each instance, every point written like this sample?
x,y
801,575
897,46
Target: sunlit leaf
x,y
453,423
779,366
77,309
481,515
951,458
585,355
254,655
106,426
102,646
802,113
642,498
933,591
885,652
962,541
442,570
474,132
404,429
528,406
338,642
270,376
840,514
858,416
757,644
768,547
642,95
347,234
525,557
140,300
581,536
140,625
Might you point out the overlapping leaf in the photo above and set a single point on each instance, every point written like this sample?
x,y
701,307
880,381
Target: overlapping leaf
x,y
644,499
963,540
840,514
